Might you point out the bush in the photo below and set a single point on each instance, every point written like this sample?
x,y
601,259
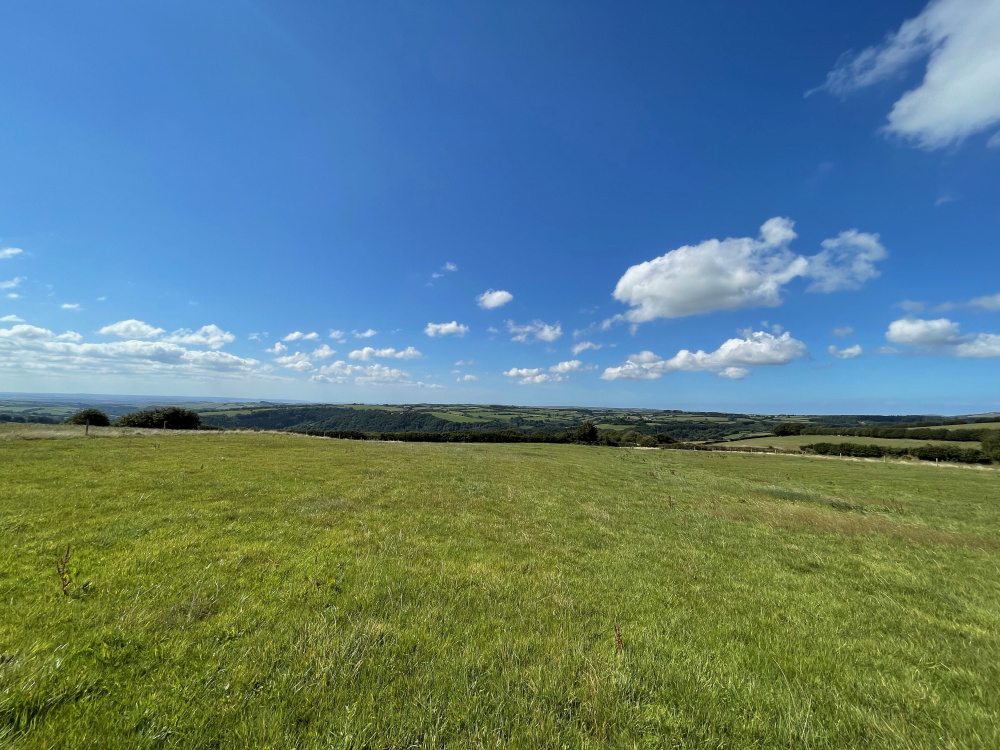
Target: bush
x,y
171,418
94,417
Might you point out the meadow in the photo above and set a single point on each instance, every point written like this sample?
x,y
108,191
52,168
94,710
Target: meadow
x,y
794,442
263,590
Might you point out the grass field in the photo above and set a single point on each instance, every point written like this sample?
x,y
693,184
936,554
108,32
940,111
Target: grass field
x,y
792,442
256,590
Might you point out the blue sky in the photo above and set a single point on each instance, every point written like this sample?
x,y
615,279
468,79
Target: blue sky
x,y
764,207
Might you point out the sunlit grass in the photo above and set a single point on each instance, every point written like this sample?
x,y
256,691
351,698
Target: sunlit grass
x,y
262,590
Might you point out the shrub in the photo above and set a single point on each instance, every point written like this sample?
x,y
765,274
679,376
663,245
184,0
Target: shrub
x,y
94,417
171,418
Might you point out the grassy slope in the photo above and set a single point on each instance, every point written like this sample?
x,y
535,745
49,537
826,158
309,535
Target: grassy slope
x,y
792,442
276,591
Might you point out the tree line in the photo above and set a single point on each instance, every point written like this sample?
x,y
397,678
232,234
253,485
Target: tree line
x,y
924,452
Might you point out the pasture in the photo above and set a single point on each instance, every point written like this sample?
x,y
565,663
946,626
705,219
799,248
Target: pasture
x,y
260,590
793,442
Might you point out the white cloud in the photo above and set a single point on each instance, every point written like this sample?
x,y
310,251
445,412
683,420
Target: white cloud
x,y
960,93
917,332
436,275
983,345
39,350
323,352
845,262
299,336
340,336
468,378
942,336
464,363
298,361
368,353
584,346
741,272
211,336
11,319
131,329
70,306
454,328
533,376
278,348
733,373
885,350
491,299
991,303
756,348
449,267
994,141
10,252
534,331
849,352
342,372
844,332
13,295
573,365
364,334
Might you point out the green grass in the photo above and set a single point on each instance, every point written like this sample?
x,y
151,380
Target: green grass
x,y
792,442
257,590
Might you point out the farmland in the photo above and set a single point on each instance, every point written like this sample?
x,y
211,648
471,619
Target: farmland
x,y
236,590
794,442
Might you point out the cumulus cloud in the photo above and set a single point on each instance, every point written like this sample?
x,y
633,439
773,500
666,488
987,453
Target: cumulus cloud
x,y
468,378
449,267
323,352
849,352
342,372
300,336
70,306
943,337
742,272
573,365
959,95
11,283
369,353
11,319
730,360
534,331
34,349
339,336
10,252
454,328
584,346
298,361
533,375
982,346
844,332
917,332
278,348
131,329
211,336
845,262
491,299
364,334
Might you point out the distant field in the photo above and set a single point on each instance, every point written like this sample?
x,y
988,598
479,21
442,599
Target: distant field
x,y
792,442
974,426
258,590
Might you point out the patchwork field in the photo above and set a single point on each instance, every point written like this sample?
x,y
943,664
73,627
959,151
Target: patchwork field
x,y
793,442
257,590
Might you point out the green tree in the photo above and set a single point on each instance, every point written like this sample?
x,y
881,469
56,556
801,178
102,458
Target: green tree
x,y
788,428
991,444
94,417
170,418
586,433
